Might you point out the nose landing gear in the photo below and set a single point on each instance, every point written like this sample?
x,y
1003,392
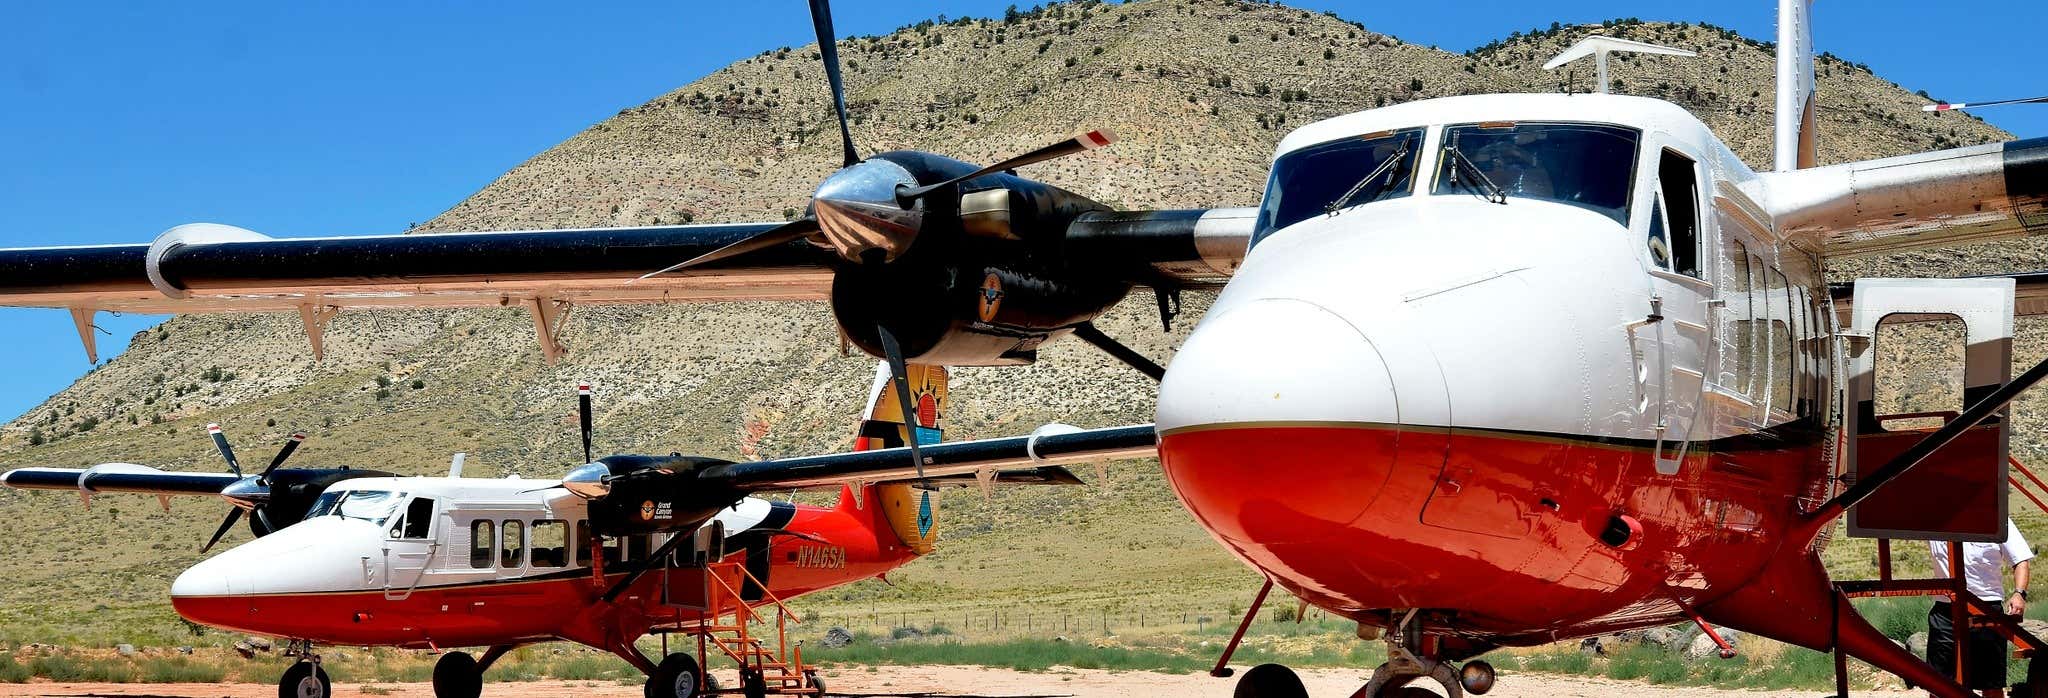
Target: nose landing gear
x,y
305,679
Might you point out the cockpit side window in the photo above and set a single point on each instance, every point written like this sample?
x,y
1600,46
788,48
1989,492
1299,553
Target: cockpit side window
x,y
1590,166
1674,216
1329,177
419,519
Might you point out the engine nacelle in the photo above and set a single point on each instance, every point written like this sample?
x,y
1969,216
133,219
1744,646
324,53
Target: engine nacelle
x,y
655,494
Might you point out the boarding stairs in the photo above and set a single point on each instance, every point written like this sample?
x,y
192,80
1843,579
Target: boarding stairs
x,y
729,624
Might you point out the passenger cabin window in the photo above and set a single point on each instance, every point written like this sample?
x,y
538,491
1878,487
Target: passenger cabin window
x,y
584,542
483,544
1329,177
1739,338
513,552
550,544
1674,216
1589,166
1781,343
418,521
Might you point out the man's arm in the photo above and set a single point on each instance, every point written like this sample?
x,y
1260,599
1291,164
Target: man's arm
x,y
2016,604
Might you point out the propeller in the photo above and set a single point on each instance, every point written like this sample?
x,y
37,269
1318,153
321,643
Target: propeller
x,y
828,51
249,492
786,232
871,205
220,443
1959,106
1081,143
898,371
583,416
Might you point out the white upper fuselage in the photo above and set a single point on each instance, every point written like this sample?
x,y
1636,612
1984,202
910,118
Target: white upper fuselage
x,y
1506,316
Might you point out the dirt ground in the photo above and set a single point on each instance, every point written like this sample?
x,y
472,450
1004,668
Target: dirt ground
x,y
939,681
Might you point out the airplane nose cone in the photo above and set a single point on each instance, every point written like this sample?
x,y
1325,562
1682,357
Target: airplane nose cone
x,y
206,593
1278,404
1283,428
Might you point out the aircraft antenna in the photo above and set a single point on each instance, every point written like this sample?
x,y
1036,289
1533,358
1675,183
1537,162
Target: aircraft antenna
x,y
1599,46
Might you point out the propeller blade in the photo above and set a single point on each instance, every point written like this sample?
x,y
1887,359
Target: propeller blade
x,y
290,445
1084,142
773,237
234,514
583,416
1959,106
828,49
897,372
220,442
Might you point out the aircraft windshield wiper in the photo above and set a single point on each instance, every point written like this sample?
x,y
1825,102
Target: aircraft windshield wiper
x,y
1460,163
1384,167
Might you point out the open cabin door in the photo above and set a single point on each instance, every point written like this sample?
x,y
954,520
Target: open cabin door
x,y
1958,493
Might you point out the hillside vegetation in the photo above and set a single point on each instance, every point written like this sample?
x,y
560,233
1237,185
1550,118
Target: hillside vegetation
x,y
1199,91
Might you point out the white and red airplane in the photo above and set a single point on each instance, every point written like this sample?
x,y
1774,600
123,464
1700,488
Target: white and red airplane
x,y
1486,370
619,548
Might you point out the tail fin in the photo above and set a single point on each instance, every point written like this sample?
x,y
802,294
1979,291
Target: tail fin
x,y
911,511
1795,144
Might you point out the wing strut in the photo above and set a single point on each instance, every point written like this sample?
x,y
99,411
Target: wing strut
x,y
81,316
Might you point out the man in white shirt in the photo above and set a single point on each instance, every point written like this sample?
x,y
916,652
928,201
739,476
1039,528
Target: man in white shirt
x,y
1984,574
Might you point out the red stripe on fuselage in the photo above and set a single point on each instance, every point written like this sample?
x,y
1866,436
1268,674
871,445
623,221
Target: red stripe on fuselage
x,y
1501,527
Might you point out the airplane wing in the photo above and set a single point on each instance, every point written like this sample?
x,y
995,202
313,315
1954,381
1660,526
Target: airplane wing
x,y
1046,448
1935,199
118,477
211,268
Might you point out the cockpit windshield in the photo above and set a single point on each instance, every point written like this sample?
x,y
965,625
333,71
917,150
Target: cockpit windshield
x,y
1328,177
366,505
1590,166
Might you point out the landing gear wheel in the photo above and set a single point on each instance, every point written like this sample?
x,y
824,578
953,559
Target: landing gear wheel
x,y
676,677
305,680
811,677
1270,681
752,684
456,676
1410,692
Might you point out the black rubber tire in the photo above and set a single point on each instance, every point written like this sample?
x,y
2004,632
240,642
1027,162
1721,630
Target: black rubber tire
x,y
818,682
1410,692
752,684
456,676
678,676
305,680
1270,681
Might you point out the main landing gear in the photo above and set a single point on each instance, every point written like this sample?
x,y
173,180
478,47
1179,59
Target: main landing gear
x,y
457,675
678,676
1410,656
305,679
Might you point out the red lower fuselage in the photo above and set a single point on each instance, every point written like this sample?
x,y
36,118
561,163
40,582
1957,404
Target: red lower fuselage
x,y
1505,528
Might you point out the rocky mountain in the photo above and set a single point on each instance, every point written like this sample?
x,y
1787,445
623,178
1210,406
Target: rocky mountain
x,y
1199,92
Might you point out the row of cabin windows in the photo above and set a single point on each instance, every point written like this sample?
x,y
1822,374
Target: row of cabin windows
x,y
1775,332
543,544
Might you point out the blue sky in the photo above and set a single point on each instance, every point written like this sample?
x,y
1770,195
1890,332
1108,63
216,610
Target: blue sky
x,y
119,120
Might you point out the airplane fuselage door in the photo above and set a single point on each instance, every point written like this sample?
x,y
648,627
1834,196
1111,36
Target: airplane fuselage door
x,y
409,546
1673,365
1958,493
